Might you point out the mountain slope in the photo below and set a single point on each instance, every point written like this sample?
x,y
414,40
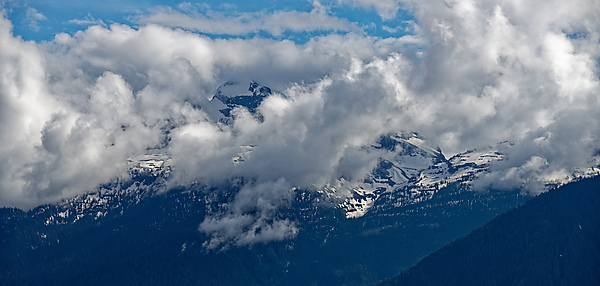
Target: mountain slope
x,y
553,239
145,238
144,229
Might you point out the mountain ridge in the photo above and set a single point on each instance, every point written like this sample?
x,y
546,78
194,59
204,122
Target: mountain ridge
x,y
412,202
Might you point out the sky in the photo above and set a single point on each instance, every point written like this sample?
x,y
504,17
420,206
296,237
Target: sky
x,y
85,86
41,20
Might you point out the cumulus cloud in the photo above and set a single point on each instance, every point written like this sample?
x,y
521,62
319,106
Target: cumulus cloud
x,y
55,145
508,70
73,110
76,108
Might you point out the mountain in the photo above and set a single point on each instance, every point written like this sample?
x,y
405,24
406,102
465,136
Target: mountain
x,y
553,239
411,171
133,232
234,94
143,230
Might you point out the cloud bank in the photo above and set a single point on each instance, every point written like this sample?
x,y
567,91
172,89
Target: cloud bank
x,y
73,110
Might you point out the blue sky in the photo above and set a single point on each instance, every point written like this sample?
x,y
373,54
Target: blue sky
x,y
41,20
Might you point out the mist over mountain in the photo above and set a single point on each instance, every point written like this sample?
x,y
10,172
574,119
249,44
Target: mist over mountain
x,y
131,232
467,75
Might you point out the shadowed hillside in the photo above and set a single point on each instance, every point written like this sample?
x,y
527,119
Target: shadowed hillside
x,y
553,239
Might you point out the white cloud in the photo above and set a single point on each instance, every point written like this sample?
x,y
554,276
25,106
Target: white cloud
x,y
252,216
76,108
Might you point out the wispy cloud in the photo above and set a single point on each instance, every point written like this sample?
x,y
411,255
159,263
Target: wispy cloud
x,y
252,216
190,17
88,20
33,18
387,9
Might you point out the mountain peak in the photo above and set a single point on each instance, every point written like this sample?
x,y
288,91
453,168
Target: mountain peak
x,y
233,94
